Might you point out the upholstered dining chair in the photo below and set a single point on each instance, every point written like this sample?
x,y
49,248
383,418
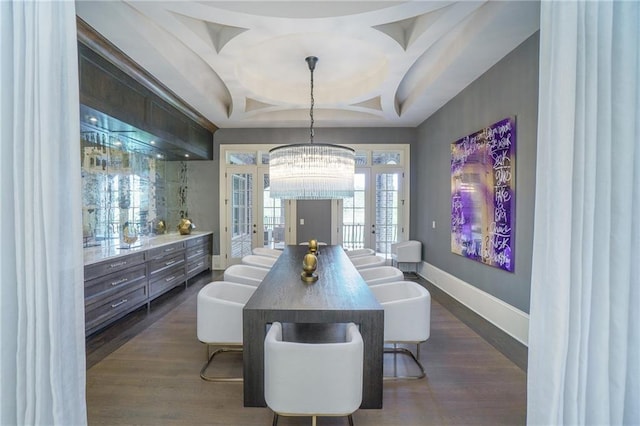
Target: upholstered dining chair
x,y
381,275
219,320
360,252
364,262
407,319
266,251
313,379
306,243
245,274
259,261
406,252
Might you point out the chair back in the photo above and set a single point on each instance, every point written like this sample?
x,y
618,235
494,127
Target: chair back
x,y
407,311
219,312
313,378
360,252
265,251
245,274
259,261
363,262
381,275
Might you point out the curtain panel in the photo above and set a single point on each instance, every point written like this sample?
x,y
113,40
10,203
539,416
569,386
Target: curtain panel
x,y
584,356
42,361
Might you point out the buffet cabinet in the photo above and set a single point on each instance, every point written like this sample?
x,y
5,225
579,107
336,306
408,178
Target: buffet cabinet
x,y
117,286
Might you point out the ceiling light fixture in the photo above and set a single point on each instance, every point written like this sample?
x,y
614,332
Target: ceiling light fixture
x,y
311,171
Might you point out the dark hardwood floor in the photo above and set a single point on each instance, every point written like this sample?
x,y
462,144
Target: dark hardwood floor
x,y
144,370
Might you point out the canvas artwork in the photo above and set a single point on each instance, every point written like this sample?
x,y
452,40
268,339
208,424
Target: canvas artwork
x,y
483,195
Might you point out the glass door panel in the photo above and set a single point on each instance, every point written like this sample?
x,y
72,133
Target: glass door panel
x,y
273,217
241,225
387,210
355,215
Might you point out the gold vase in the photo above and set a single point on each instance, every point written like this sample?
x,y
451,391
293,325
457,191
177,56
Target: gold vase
x,y
185,226
309,266
313,246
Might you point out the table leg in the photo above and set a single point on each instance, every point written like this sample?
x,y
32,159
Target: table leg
x,y
254,332
372,331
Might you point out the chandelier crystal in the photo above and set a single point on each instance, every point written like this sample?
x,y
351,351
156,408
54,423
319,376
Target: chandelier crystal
x,y
311,171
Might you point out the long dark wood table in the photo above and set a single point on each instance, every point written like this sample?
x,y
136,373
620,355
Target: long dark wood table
x,y
339,296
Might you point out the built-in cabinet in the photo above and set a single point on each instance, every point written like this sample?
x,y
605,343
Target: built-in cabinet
x,y
117,285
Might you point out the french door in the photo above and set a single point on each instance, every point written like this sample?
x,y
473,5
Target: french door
x,y
375,216
253,218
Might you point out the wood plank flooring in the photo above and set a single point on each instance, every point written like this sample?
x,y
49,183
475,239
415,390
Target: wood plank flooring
x,y
145,371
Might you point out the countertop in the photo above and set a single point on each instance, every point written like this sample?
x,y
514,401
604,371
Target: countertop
x,y
114,249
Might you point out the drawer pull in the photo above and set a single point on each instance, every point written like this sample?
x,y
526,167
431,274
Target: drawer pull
x,y
120,281
115,305
167,250
115,265
199,251
171,262
171,278
199,264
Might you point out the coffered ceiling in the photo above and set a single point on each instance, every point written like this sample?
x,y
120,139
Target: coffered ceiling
x,y
381,64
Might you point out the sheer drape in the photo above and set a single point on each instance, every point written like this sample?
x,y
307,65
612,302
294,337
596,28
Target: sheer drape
x,y
42,370
584,356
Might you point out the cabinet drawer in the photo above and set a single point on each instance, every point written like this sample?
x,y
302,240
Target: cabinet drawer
x,y
197,251
197,265
157,266
198,241
164,251
114,282
114,265
116,305
166,280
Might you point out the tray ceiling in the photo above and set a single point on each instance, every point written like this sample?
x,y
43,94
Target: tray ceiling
x,y
381,64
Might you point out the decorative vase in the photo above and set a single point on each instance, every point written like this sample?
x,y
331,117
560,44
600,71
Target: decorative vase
x,y
185,226
313,246
309,266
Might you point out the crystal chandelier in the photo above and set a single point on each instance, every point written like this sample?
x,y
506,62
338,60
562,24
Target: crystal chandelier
x,y
311,171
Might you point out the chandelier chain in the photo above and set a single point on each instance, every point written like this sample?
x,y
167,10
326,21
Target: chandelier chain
x,y
311,110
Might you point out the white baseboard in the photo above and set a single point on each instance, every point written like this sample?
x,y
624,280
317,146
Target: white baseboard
x,y
509,319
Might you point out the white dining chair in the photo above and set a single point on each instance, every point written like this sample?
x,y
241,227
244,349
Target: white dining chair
x,y
245,274
360,252
313,379
266,251
407,319
381,275
219,320
406,252
364,262
259,261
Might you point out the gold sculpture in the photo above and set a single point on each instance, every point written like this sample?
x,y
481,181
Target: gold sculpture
x,y
185,226
127,236
161,227
313,246
309,266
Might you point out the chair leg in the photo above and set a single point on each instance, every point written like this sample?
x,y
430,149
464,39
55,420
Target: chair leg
x,y
275,419
203,371
404,351
350,417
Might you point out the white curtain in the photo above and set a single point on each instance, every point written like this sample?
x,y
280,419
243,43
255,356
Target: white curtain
x,y
584,338
42,361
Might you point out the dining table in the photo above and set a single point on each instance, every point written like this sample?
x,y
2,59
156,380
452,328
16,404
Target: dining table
x,y
339,296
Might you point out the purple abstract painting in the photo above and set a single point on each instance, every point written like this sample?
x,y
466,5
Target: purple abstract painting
x,y
483,195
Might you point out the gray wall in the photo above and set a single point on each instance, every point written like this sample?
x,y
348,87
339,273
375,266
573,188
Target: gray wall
x,y
317,220
510,88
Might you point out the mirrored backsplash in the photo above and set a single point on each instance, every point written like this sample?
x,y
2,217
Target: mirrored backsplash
x,y
126,187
